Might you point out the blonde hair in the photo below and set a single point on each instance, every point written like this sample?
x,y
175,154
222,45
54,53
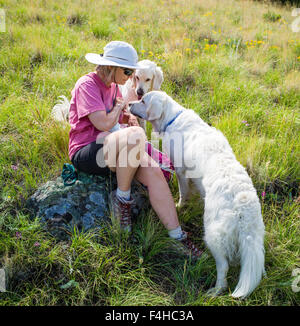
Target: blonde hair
x,y
106,72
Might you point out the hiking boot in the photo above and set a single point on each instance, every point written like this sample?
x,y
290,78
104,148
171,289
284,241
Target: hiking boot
x,y
187,247
121,211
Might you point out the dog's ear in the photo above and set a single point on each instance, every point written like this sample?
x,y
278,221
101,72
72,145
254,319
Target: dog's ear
x,y
133,80
158,78
155,108
154,112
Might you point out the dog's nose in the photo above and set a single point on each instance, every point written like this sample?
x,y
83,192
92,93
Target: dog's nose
x,y
140,92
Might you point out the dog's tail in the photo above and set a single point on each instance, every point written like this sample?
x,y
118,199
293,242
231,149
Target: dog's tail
x,y
60,111
252,255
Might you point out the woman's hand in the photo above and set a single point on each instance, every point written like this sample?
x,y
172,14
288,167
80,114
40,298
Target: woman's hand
x,y
105,121
120,105
132,121
129,118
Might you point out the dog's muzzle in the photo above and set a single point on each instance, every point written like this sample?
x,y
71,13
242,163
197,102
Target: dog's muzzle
x,y
135,111
140,93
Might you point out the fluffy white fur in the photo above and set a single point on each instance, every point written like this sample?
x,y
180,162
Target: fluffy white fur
x,y
233,222
144,80
60,111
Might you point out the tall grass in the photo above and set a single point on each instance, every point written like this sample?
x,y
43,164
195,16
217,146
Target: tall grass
x,y
236,63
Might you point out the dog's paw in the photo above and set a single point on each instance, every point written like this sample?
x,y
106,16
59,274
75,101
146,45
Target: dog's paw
x,y
214,292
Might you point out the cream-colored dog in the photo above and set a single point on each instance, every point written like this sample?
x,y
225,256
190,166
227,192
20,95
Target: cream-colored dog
x,y
233,223
144,80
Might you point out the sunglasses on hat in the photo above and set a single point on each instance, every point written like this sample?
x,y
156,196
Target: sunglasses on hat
x,y
128,72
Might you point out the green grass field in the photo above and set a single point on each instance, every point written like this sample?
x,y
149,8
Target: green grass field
x,y
236,63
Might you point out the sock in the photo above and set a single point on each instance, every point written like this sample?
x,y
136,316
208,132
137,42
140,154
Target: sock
x,y
123,195
176,233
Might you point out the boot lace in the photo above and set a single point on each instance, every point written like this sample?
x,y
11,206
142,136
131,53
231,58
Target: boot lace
x,y
125,218
188,244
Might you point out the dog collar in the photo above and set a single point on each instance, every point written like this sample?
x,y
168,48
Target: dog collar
x,y
170,122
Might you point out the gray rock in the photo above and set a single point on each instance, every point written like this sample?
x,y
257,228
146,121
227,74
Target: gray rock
x,y
82,206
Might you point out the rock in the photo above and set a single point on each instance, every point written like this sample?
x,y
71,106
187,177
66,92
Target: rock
x,y
84,205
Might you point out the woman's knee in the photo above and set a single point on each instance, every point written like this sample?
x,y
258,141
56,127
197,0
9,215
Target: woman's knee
x,y
136,129
136,135
128,136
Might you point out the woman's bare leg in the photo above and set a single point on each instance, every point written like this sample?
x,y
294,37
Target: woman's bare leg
x,y
161,199
123,151
117,147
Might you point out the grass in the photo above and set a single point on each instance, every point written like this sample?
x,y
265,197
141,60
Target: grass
x,y
237,66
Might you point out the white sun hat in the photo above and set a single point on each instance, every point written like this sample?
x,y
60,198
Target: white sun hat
x,y
116,53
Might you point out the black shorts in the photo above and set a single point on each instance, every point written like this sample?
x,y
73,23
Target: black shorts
x,y
85,160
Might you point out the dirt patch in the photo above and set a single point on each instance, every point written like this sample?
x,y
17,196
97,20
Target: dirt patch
x,y
180,82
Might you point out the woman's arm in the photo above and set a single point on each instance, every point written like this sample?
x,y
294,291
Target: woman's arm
x,y
105,121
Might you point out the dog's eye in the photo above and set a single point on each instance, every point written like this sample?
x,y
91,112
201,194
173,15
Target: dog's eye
x,y
148,79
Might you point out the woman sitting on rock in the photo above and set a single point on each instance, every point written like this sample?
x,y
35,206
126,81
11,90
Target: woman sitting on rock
x,y
98,145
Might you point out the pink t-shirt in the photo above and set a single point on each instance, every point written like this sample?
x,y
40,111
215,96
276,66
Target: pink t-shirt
x,y
90,94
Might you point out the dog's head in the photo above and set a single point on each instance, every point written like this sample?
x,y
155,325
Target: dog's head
x,y
147,79
154,106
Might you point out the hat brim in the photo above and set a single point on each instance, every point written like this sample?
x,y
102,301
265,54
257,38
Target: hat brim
x,y
97,59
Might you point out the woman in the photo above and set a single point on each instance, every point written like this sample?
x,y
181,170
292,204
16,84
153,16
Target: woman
x,y
99,146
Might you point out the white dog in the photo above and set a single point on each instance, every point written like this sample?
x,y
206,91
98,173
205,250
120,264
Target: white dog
x,y
232,218
144,80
